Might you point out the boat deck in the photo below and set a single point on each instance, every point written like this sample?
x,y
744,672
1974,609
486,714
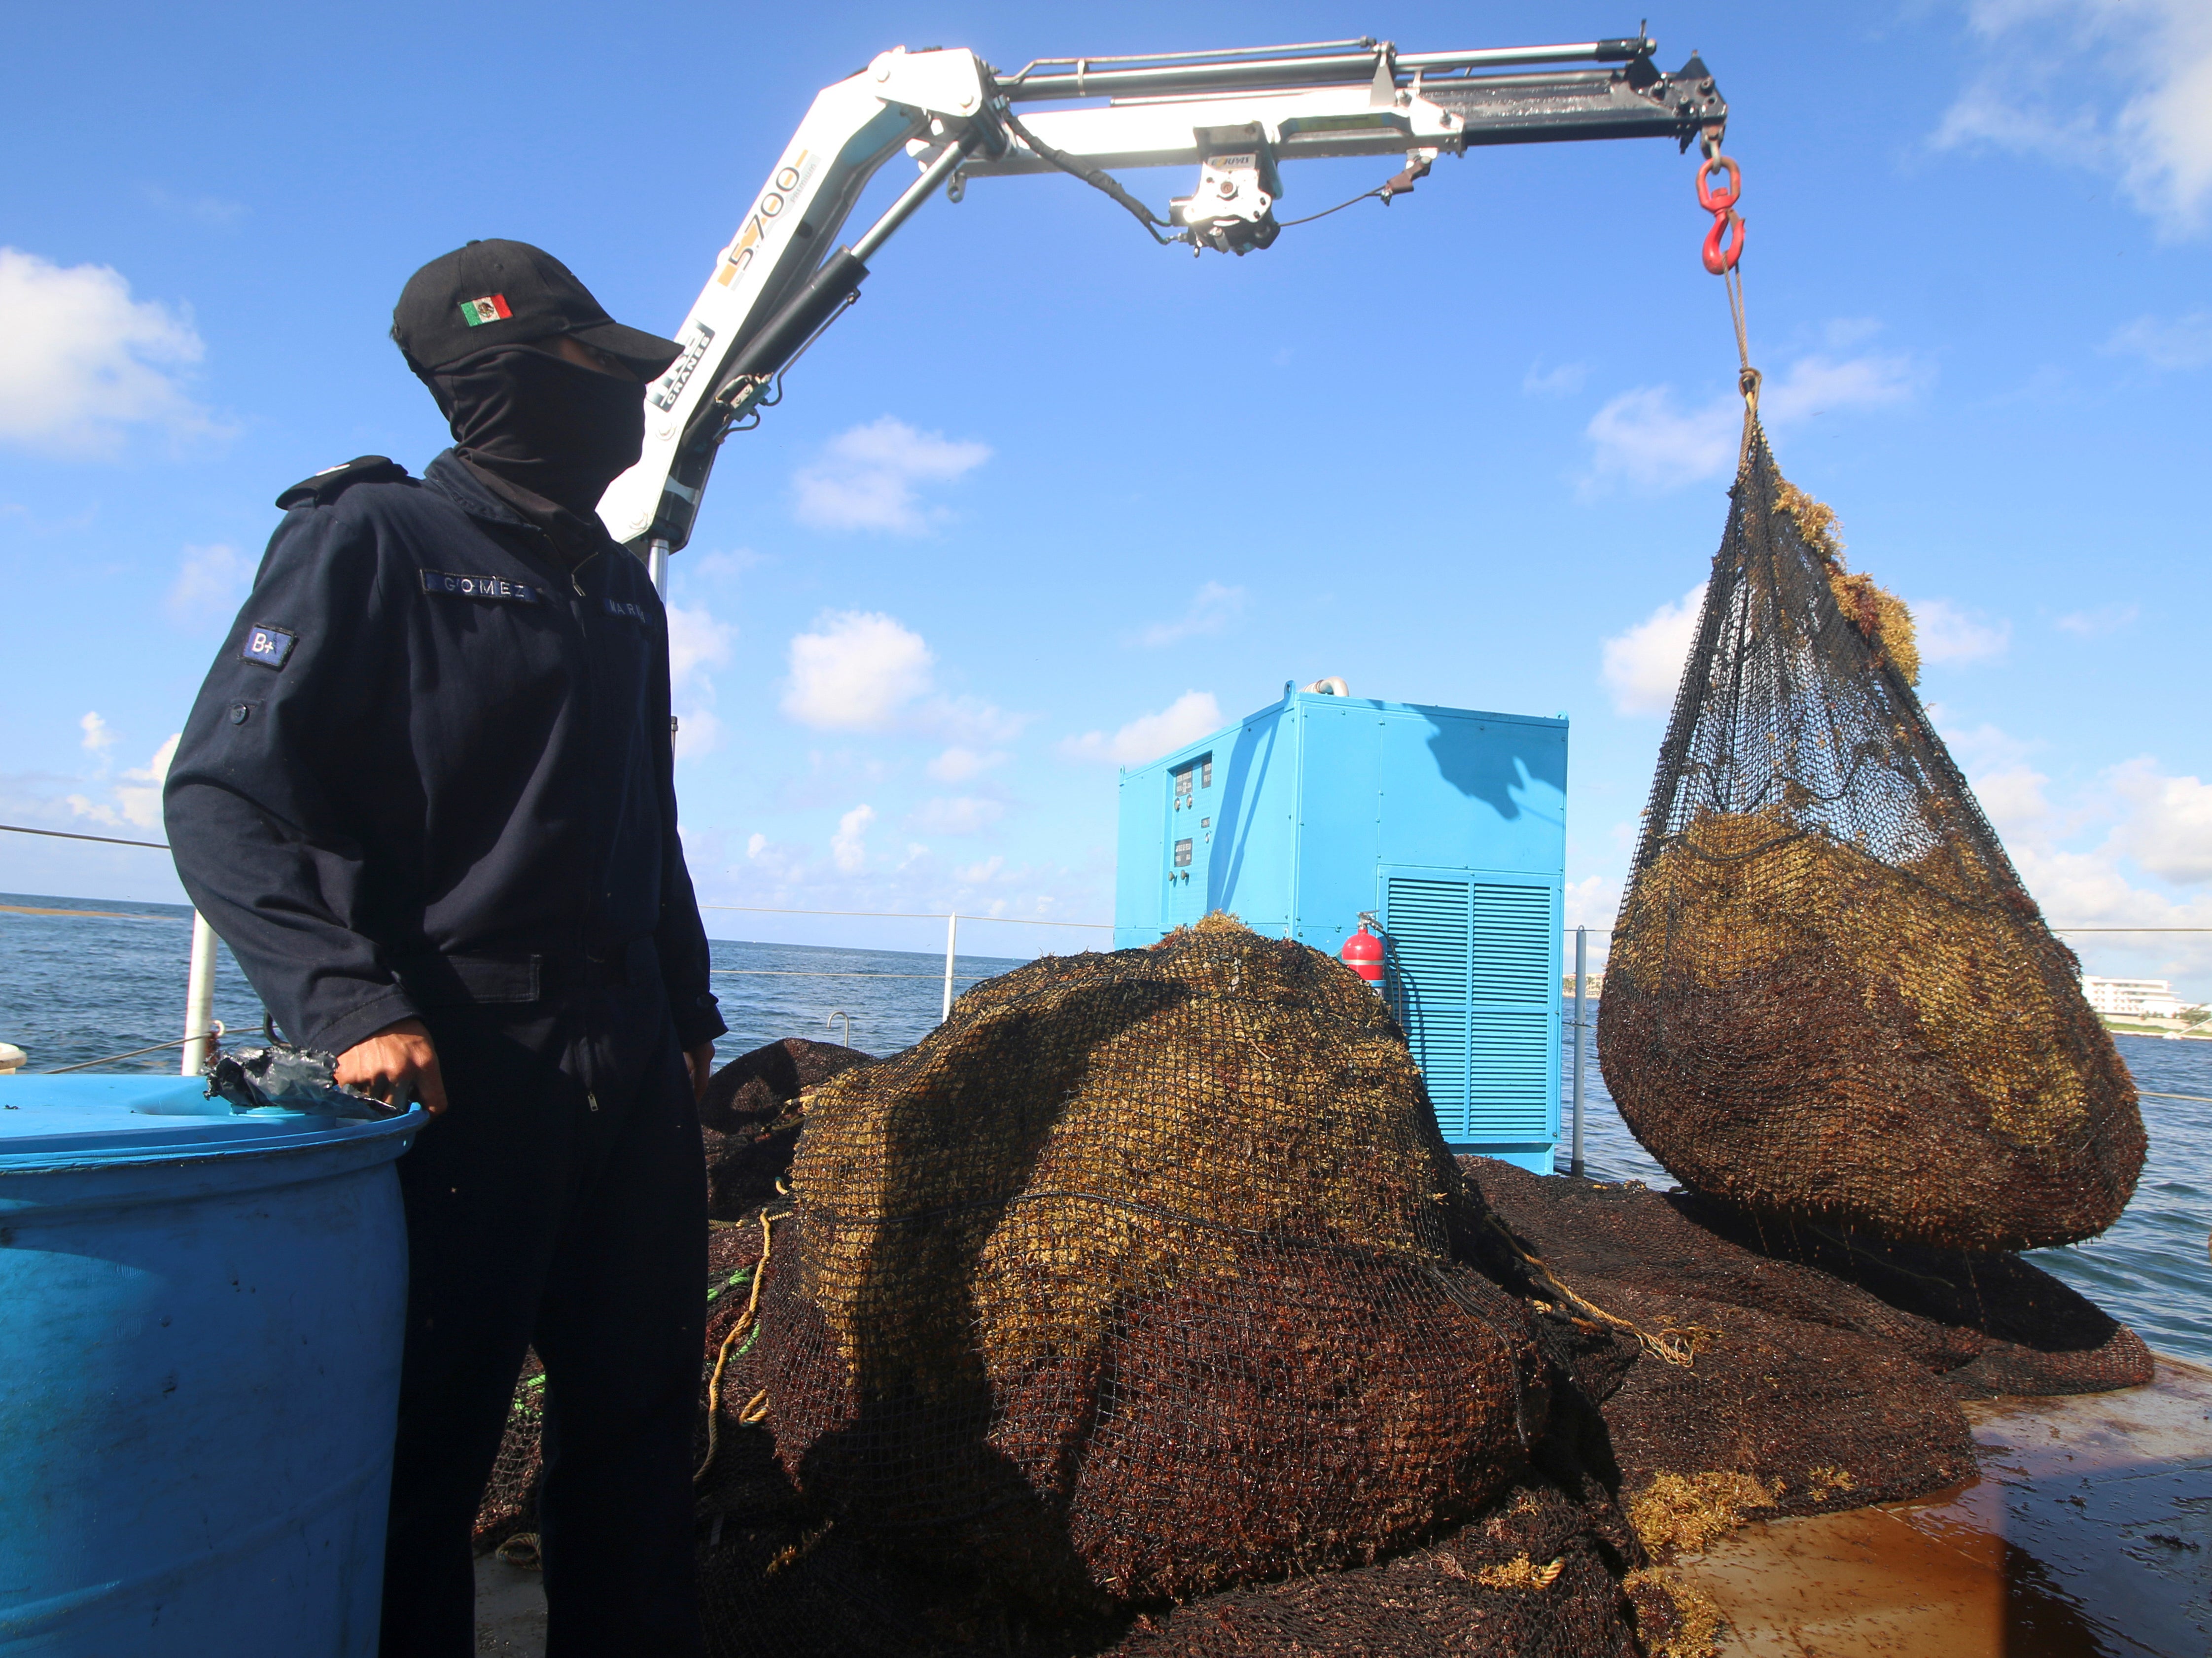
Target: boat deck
x,y
2088,1535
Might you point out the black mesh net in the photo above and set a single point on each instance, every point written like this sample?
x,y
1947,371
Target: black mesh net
x,y
1134,1279
1496,1417
509,1506
1829,994
749,1117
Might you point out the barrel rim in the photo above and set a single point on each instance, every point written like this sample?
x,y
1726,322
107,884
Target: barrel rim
x,y
92,1159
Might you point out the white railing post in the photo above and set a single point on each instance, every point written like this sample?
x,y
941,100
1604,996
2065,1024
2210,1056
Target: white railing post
x,y
1582,984
199,996
951,941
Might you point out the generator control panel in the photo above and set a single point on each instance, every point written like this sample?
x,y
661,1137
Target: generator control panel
x,y
1190,809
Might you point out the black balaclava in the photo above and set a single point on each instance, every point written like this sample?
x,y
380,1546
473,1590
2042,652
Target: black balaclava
x,y
546,425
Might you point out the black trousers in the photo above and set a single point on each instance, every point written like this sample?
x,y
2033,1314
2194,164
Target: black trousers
x,y
559,1203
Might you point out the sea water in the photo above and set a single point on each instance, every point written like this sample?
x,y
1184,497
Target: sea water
x,y
77,987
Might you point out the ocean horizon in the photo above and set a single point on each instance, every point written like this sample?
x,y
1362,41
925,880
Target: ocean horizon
x,y
87,986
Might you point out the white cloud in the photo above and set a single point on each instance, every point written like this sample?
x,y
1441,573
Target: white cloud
x,y
1642,666
81,360
2185,343
2014,800
957,765
2168,828
848,846
2105,619
97,737
138,797
1947,635
1148,737
862,671
965,814
1556,382
696,642
2080,852
1817,386
1645,436
2011,791
140,794
1212,608
855,672
1593,901
866,478
2124,87
980,874
211,583
756,845
698,732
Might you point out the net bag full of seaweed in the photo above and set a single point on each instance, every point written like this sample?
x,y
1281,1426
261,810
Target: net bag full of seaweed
x,y
1133,1280
1829,996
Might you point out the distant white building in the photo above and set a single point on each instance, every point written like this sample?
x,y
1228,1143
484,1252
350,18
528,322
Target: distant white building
x,y
2132,999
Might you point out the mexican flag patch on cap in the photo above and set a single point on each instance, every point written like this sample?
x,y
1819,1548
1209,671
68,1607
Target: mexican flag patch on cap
x,y
490,308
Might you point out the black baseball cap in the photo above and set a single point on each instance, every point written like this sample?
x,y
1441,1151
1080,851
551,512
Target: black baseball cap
x,y
496,292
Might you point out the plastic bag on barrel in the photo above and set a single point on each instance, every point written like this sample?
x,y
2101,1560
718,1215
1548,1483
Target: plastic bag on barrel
x,y
1830,997
282,1077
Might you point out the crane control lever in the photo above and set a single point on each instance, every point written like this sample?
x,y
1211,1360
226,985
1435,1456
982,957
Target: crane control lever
x,y
1239,117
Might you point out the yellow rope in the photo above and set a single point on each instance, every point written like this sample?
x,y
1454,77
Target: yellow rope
x,y
521,1551
757,1409
1672,1345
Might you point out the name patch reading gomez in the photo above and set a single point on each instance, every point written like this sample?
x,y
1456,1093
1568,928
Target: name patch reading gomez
x,y
480,586
270,646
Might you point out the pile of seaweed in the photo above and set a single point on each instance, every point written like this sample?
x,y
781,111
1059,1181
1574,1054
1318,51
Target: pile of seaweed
x,y
1134,1280
927,1429
1821,1373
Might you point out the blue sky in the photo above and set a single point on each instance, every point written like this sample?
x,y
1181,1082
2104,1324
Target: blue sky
x,y
1051,498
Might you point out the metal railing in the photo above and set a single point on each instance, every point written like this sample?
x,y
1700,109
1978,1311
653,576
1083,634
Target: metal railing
x,y
199,985
951,974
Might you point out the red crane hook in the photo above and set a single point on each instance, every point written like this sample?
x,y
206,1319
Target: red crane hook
x,y
1724,241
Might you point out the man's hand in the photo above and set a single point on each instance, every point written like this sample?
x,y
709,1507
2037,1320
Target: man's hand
x,y
700,1062
397,1061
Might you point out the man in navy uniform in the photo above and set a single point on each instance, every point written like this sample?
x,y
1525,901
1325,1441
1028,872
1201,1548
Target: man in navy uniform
x,y
427,796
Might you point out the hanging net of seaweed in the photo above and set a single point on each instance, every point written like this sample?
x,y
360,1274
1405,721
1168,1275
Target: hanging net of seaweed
x,y
1830,995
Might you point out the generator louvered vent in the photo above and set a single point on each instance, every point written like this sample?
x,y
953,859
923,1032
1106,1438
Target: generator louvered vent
x,y
1430,947
1471,976
1513,944
1513,1087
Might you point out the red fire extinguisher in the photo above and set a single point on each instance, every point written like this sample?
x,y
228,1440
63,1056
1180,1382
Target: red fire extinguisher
x,y
1363,953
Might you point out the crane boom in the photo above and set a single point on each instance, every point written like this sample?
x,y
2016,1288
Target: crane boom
x,y
1237,116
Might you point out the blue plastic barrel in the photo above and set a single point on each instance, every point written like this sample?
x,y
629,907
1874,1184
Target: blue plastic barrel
x,y
200,1325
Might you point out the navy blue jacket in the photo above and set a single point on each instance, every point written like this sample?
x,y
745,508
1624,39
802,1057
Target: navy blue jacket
x,y
432,753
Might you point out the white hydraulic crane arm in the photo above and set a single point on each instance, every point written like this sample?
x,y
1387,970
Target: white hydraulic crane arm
x,y
1236,116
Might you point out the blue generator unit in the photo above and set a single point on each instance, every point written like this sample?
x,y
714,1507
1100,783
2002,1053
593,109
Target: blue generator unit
x,y
1447,826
